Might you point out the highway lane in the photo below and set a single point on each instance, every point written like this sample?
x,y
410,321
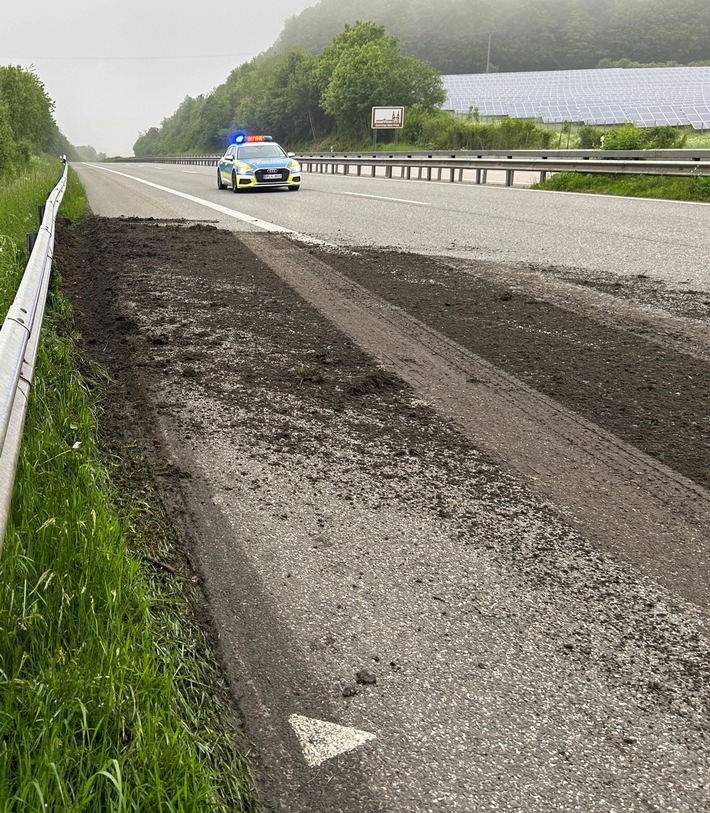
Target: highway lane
x,y
479,703
660,239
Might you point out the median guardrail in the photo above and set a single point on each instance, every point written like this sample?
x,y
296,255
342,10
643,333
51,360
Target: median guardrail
x,y
19,338
470,166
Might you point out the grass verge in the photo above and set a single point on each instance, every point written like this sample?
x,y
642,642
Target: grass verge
x,y
109,693
636,186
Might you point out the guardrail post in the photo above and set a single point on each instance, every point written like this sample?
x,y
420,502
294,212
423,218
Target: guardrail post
x,y
388,172
31,239
509,177
359,170
374,170
452,173
543,176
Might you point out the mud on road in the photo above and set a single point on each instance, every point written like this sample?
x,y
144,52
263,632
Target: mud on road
x,y
213,352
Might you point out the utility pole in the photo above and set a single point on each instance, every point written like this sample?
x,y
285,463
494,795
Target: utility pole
x,y
488,55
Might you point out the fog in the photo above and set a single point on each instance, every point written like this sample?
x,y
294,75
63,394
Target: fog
x,y
115,69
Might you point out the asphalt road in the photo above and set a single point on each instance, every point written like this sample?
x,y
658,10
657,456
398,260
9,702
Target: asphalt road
x,y
661,239
495,690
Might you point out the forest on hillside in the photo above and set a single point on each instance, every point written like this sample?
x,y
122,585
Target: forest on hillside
x,y
298,96
524,35
318,81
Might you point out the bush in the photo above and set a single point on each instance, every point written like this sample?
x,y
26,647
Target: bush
x,y
437,130
590,138
626,137
662,138
631,137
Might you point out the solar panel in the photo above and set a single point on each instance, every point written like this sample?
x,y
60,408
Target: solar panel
x,y
646,96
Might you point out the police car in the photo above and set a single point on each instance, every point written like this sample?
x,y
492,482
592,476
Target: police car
x,y
257,161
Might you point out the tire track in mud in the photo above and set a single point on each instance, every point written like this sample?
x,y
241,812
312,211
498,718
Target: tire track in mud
x,y
624,500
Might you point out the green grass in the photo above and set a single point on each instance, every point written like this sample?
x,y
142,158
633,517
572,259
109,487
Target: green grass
x,y
637,186
696,139
109,696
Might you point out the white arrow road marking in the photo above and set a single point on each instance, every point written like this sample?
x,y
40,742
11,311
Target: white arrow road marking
x,y
321,740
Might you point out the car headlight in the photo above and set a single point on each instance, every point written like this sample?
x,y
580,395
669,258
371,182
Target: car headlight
x,y
295,167
245,171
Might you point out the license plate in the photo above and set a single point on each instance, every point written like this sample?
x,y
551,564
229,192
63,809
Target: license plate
x,y
271,176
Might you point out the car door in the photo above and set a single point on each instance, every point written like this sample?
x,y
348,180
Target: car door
x,y
226,163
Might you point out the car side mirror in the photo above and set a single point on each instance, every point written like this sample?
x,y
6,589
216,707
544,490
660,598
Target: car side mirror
x,y
291,154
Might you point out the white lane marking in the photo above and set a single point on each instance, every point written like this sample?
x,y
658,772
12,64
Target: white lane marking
x,y
321,740
381,197
189,171
262,224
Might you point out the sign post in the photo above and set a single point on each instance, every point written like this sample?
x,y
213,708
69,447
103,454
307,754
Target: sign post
x,y
386,118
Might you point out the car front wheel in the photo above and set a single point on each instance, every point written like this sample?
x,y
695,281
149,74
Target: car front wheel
x,y
235,183
294,188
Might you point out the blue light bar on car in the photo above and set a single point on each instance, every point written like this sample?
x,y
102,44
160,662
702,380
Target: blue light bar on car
x,y
243,138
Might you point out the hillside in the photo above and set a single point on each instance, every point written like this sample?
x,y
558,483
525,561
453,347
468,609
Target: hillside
x,y
525,35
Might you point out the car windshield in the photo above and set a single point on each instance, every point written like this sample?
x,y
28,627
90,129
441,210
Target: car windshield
x,y
260,151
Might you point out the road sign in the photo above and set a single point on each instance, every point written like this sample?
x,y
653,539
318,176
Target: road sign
x,y
387,118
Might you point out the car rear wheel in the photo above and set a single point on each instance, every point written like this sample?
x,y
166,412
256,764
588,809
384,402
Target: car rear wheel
x,y
220,184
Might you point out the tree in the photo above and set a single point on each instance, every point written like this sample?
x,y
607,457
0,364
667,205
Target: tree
x,y
29,108
526,34
363,68
9,153
280,96
26,122
148,143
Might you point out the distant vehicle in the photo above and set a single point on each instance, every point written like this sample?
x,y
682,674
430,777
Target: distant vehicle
x,y
257,161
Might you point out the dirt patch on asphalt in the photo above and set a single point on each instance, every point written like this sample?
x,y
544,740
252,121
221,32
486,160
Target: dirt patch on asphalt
x,y
637,387
199,334
225,299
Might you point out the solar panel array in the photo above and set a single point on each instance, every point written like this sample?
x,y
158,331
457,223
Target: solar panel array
x,y
648,97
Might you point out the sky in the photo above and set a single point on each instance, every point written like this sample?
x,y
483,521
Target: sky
x,y
116,68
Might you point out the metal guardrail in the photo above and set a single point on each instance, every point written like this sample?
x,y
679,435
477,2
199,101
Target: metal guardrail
x,y
474,166
461,169
19,338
